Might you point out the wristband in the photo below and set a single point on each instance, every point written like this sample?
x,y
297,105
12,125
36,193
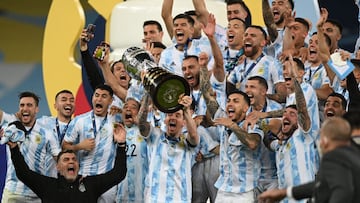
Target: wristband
x,y
289,192
121,144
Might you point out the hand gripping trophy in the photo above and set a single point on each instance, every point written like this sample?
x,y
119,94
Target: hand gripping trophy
x,y
164,87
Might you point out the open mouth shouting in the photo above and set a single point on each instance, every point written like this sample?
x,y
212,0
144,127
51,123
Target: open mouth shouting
x,y
330,113
276,14
248,47
122,77
231,112
172,125
231,37
251,97
190,79
180,36
98,108
71,170
68,109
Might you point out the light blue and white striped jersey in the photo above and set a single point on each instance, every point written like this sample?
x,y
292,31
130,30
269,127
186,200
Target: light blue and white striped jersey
x,y
292,160
51,123
267,158
312,107
221,36
117,102
37,147
275,48
206,143
171,59
316,76
239,165
131,189
136,90
169,177
200,104
268,68
101,158
220,91
313,110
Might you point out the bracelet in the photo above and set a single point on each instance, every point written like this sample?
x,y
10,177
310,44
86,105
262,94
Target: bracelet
x,y
121,144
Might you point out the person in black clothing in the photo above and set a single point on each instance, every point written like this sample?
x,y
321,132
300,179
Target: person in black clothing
x,y
94,74
69,186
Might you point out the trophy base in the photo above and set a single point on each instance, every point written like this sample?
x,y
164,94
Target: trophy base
x,y
166,94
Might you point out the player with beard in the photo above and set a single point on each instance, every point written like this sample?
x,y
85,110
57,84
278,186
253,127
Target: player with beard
x,y
295,156
335,105
90,134
170,152
257,63
239,149
191,72
37,143
131,189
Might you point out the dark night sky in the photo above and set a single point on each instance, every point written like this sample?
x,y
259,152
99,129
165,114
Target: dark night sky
x,y
346,12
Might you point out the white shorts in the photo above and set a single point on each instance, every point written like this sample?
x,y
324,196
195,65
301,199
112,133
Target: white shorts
x,y
229,197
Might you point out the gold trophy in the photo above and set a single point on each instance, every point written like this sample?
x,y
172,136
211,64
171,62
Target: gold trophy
x,y
164,87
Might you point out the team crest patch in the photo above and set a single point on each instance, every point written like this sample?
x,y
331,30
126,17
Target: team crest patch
x,y
261,71
288,145
38,139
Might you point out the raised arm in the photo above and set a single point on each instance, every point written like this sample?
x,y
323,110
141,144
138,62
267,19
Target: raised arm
x,y
118,173
166,14
303,114
110,78
144,126
26,175
269,20
201,10
218,69
91,69
207,91
193,137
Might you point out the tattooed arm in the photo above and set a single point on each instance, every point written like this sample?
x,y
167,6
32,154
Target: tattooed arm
x,y
274,114
144,126
269,20
207,91
268,114
251,140
303,114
